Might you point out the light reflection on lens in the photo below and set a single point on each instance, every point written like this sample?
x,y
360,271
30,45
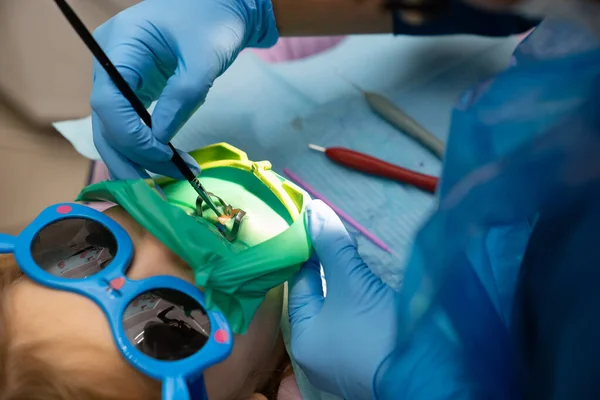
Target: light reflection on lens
x,y
73,248
166,324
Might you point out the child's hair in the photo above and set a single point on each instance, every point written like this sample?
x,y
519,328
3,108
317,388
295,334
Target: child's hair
x,y
73,370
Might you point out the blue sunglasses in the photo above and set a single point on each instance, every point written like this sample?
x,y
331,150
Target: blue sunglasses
x,y
160,324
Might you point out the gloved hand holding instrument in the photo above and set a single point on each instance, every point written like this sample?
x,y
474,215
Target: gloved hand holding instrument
x,y
187,44
176,161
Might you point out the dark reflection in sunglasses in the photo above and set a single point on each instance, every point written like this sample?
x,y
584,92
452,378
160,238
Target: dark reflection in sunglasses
x,y
166,324
73,247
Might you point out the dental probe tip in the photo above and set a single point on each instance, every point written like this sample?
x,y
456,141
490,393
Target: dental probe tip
x,y
348,81
317,148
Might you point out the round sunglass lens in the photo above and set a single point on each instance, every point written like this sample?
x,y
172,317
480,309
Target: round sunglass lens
x,y
73,248
166,324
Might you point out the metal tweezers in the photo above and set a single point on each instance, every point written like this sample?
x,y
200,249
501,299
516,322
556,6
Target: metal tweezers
x,y
237,219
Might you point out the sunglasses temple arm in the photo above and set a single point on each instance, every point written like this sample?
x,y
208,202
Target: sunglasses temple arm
x,y
198,388
7,243
175,388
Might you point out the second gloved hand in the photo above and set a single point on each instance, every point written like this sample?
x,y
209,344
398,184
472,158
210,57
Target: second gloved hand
x,y
341,340
347,342
170,51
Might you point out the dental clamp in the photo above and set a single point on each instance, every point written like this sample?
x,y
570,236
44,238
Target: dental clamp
x,y
229,213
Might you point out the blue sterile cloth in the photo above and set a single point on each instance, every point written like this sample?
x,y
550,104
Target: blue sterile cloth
x,y
509,255
272,111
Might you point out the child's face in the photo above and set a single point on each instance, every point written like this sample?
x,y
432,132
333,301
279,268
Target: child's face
x,y
65,315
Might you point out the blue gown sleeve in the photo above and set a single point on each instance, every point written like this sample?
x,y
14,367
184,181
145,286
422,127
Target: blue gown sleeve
x,y
464,19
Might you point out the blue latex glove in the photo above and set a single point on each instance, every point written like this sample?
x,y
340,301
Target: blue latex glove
x,y
170,51
347,342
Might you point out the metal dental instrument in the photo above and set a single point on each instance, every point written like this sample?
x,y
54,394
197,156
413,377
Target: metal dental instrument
x,y
229,213
374,166
400,120
128,93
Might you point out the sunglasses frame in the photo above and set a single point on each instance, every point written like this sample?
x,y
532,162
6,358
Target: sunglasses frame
x,y
112,291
